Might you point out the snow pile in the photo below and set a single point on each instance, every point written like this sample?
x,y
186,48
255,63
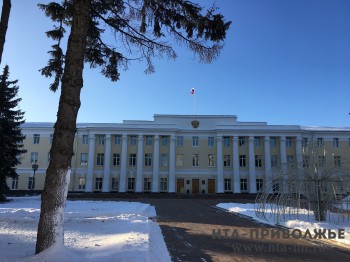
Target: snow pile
x,y
305,220
94,231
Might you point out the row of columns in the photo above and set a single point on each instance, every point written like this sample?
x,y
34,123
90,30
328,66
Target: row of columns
x,y
123,164
251,161
171,178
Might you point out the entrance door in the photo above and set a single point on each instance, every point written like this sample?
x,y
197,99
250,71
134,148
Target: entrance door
x,y
211,186
195,186
180,185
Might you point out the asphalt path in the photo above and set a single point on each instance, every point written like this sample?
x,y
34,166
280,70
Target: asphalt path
x,y
194,230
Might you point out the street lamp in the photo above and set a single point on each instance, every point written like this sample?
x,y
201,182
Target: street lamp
x,y
35,168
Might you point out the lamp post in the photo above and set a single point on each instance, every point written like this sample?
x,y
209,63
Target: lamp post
x,y
35,168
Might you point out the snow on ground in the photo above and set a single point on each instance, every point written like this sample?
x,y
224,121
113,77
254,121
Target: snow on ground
x,y
305,221
94,231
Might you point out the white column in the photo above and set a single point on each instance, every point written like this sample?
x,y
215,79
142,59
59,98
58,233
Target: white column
x,y
155,178
172,165
299,150
252,176
268,177
107,164
283,153
139,163
122,178
235,159
91,163
220,169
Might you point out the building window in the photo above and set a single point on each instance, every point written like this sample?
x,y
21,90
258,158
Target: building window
x,y
319,141
211,141
273,142
226,141
195,160
100,159
211,160
98,183
244,185
164,160
115,184
290,160
33,157
149,140
306,161
101,139
259,184
275,186
242,161
131,184
51,139
82,183
83,159
85,140
227,160
36,139
274,162
179,141
304,141
148,159
241,141
289,141
335,142
321,161
31,183
227,184
195,141
258,161
116,159
164,140
133,140
163,184
257,141
117,139
179,160
132,159
337,161
14,184
147,184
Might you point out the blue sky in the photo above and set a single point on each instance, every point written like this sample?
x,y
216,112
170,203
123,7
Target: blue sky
x,y
284,62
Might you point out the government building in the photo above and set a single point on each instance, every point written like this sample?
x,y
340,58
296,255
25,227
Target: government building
x,y
185,154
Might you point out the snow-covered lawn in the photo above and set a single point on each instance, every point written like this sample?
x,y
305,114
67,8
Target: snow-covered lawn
x,y
94,231
304,222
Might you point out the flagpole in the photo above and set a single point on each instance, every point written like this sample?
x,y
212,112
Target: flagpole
x,y
193,92
194,103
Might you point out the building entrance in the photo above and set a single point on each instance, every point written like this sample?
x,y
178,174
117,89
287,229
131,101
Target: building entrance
x,y
211,186
195,186
180,185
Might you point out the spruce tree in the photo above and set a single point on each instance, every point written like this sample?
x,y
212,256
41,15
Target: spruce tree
x,y
11,137
109,34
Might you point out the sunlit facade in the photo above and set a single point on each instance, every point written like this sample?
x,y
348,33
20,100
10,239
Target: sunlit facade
x,y
187,154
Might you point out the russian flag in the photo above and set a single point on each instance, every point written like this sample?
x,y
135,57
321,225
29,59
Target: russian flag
x,y
192,91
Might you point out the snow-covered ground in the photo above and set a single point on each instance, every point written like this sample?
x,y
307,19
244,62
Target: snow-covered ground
x,y
304,222
94,231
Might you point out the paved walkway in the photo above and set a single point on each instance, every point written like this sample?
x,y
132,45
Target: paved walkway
x,y
188,224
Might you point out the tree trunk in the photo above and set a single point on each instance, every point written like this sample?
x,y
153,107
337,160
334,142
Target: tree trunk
x,y
5,16
50,228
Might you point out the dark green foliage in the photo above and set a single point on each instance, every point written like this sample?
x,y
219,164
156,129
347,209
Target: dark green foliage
x,y
11,137
136,30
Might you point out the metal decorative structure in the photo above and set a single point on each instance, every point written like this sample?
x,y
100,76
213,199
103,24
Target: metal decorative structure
x,y
317,185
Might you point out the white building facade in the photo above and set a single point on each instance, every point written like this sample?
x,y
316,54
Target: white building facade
x,y
202,154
